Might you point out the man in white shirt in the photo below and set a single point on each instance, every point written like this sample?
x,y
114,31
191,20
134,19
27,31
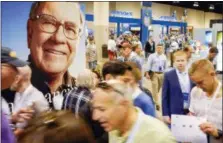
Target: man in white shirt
x,y
9,70
111,48
206,99
174,45
212,56
26,96
113,108
91,53
157,62
189,51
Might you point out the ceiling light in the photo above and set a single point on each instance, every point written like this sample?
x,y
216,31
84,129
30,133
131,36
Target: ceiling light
x,y
211,7
196,4
176,2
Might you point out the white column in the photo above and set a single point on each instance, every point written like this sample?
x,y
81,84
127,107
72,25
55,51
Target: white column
x,y
101,27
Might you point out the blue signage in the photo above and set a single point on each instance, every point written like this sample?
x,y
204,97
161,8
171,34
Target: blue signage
x,y
167,18
121,14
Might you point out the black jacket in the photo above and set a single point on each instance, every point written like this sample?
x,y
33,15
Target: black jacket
x,y
150,48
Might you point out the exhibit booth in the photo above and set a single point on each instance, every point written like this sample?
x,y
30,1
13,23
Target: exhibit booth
x,y
210,35
159,28
217,41
121,24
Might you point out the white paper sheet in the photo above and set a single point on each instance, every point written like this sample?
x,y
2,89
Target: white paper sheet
x,y
186,129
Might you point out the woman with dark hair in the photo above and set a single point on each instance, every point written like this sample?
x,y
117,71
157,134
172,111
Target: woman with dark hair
x,y
57,127
150,47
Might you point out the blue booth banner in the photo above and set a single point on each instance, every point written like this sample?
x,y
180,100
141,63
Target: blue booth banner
x,y
124,27
146,17
167,18
174,14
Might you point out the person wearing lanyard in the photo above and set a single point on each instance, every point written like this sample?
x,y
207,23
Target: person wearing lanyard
x,y
176,88
157,64
112,106
206,99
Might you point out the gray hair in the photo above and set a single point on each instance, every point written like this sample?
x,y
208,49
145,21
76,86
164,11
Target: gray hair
x,y
86,79
124,90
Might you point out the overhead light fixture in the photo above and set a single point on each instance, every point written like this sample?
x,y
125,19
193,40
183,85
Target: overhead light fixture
x,y
196,4
176,2
211,7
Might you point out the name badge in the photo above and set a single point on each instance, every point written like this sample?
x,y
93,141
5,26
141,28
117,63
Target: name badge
x,y
186,100
160,68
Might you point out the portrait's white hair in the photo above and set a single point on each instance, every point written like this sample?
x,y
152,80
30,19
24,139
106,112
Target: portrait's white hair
x,y
36,5
86,79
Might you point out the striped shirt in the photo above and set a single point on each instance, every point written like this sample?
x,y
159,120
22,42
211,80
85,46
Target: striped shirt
x,y
75,99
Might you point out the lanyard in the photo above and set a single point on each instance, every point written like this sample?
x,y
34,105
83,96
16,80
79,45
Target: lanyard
x,y
207,107
160,63
135,129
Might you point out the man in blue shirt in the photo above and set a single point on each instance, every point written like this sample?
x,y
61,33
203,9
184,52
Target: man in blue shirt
x,y
128,73
157,64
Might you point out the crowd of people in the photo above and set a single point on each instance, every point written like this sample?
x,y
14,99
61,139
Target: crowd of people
x,y
129,100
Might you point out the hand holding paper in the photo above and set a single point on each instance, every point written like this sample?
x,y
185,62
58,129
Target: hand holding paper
x,y
186,129
209,128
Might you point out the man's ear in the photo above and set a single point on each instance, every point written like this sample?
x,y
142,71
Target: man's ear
x,y
108,77
29,32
